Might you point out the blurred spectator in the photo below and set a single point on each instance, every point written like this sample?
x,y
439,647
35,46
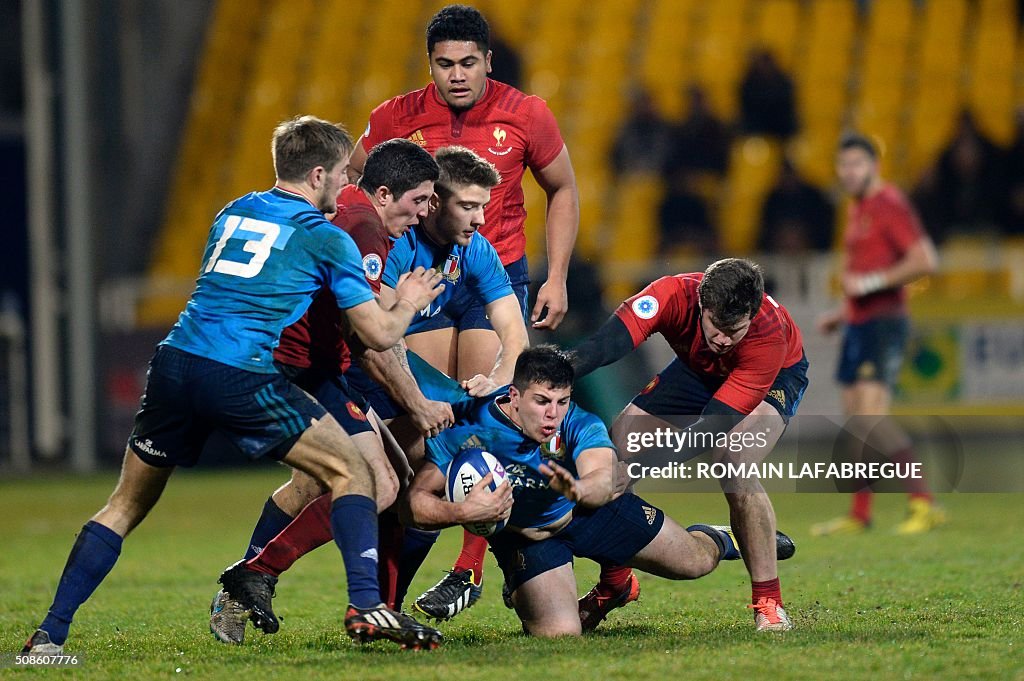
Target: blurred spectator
x,y
960,194
796,216
643,142
506,66
1012,206
683,220
767,102
701,142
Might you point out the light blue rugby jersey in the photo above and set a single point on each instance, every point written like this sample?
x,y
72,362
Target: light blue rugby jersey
x,y
480,423
475,269
268,254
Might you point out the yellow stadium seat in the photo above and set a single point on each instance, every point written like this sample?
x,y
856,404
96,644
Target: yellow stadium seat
x,y
778,28
753,168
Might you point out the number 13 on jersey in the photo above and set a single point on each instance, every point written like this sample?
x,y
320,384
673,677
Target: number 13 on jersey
x,y
260,246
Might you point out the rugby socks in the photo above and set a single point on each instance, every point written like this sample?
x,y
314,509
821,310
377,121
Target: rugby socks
x,y
861,508
415,547
272,521
354,525
474,548
614,579
391,534
916,487
727,549
769,589
309,530
91,559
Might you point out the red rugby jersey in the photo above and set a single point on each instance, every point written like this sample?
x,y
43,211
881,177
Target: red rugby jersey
x,y
512,130
318,338
669,306
880,229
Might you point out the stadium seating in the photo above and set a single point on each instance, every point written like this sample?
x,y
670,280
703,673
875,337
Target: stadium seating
x,y
900,70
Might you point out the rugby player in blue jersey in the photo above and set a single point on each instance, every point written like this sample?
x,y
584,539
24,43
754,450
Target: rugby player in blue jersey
x,y
445,240
268,254
560,500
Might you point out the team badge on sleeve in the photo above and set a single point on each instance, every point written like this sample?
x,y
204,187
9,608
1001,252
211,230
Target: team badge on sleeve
x,y
372,266
645,307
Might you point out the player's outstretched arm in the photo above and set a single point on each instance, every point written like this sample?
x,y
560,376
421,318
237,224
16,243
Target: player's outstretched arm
x,y
424,506
507,321
558,180
378,328
594,487
390,369
608,344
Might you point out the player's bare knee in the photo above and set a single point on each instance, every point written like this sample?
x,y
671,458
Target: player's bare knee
x,y
554,627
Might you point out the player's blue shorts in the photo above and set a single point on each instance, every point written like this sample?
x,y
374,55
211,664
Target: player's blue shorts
x,y
188,398
609,535
679,391
332,391
873,351
465,311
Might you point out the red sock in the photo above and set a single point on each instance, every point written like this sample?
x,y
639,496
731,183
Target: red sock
x,y
311,529
769,589
474,548
389,551
861,509
916,487
613,579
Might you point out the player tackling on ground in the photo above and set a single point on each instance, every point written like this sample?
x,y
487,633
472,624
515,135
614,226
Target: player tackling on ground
x,y
885,249
560,500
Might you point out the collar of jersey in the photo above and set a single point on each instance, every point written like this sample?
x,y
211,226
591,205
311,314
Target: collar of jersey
x,y
501,416
285,194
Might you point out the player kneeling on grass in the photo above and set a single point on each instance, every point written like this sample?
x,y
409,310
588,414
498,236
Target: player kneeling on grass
x,y
559,503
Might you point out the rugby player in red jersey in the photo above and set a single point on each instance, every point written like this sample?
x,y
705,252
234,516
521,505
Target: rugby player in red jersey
x,y
885,248
740,367
514,131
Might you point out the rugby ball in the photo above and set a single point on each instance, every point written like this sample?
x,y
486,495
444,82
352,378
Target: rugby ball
x,y
467,469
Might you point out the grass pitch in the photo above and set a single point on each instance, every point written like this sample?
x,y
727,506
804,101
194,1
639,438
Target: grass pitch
x,y
943,605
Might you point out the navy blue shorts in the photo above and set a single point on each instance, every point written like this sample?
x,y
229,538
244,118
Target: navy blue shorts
x,y
188,398
465,311
873,351
609,535
373,393
679,391
332,391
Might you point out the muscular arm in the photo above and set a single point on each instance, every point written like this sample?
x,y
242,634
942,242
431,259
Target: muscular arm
x,y
608,344
594,486
426,508
558,181
380,328
507,321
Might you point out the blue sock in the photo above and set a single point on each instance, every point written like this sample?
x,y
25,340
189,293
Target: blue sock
x,y
354,525
415,547
93,555
270,524
727,549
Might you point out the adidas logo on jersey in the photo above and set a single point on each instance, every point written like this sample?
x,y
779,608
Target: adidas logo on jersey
x,y
779,396
418,138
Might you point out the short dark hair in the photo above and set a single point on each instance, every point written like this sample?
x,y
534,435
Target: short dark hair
x,y
855,140
461,167
546,364
731,290
460,23
306,142
398,164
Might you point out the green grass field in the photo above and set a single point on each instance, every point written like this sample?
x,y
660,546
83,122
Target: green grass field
x,y
945,605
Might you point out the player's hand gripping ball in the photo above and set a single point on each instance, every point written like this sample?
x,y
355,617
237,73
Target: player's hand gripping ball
x,y
469,467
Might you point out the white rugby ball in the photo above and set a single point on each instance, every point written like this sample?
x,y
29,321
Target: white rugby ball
x,y
467,468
